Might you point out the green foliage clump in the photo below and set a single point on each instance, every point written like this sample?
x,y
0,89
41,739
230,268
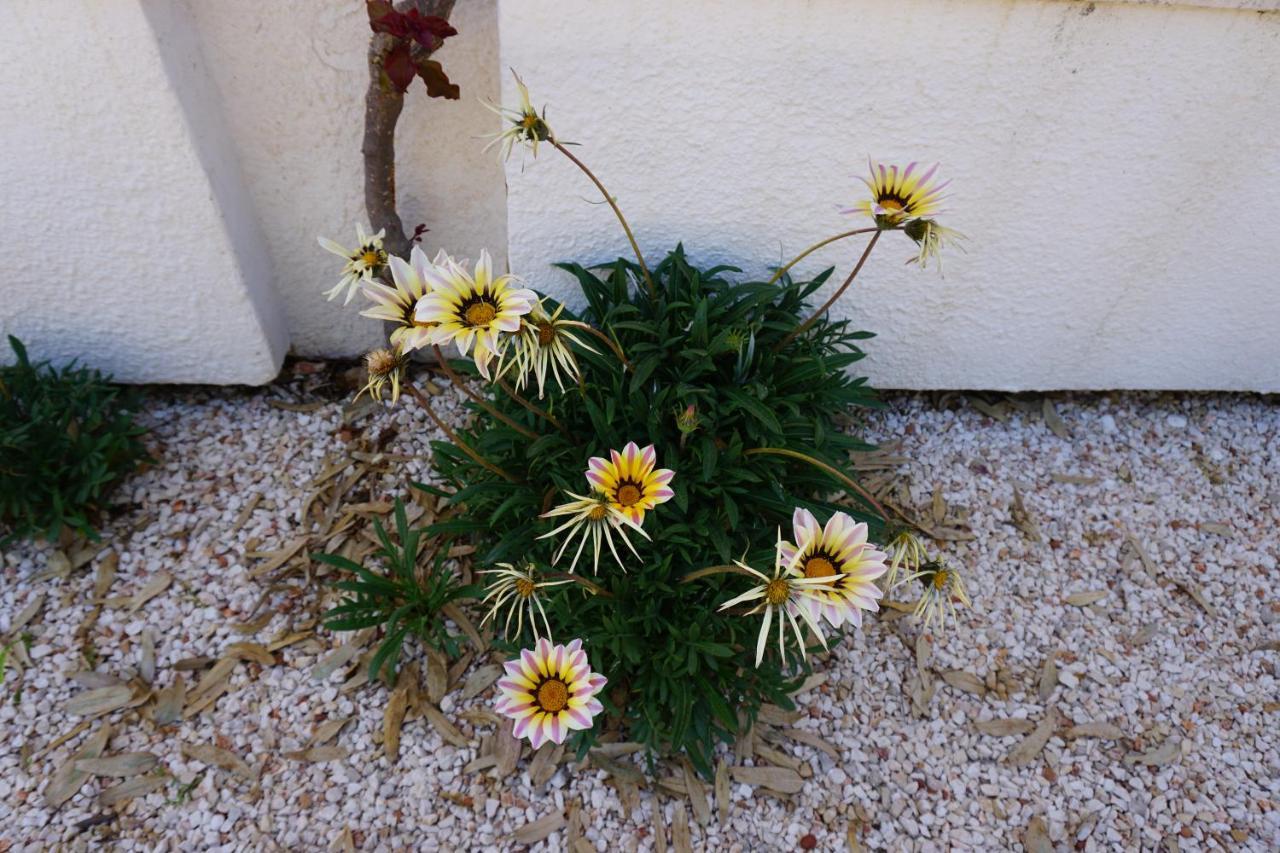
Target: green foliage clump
x,y
405,599
66,438
767,434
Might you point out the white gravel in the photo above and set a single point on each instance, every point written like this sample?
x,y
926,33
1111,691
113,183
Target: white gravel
x,y
1196,695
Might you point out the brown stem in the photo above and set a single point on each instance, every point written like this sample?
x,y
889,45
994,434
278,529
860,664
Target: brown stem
x,y
799,330
479,401
594,588
511,392
635,247
816,246
715,570
382,107
612,344
819,464
453,436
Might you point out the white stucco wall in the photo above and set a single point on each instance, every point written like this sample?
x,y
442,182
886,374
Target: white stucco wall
x,y
1115,166
292,76
131,243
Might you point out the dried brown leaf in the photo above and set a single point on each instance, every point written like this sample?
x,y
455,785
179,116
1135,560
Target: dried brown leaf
x,y
211,680
437,676
328,730
1165,753
1074,479
697,796
153,587
103,700
1036,838
507,747
1004,728
216,756
255,652
538,830
68,779
775,716
681,841
334,661
105,575
966,681
170,701
1030,746
124,764
392,720
938,506
147,657
1054,421
27,613
1048,677
441,724
1084,599
317,754
814,740
131,789
722,790
781,779
1106,731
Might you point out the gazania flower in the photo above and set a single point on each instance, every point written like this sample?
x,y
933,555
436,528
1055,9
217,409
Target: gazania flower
x,y
384,366
397,304
542,343
630,481
518,591
908,555
550,691
475,309
900,194
839,556
526,125
943,587
784,596
594,517
363,263
932,238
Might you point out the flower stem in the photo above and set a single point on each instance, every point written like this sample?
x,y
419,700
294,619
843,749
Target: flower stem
x,y
612,344
715,570
511,392
412,391
635,247
823,466
799,330
816,246
593,588
479,401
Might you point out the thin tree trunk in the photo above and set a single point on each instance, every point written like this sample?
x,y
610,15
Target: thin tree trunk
x,y
382,107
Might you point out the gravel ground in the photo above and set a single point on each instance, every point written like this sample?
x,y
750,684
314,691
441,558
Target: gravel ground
x,y
1158,729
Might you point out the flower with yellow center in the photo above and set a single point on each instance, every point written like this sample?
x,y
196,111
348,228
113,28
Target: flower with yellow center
x,y
397,304
784,596
592,517
550,691
518,590
526,126
363,262
469,309
900,194
630,480
384,366
908,554
943,587
841,558
542,344
932,238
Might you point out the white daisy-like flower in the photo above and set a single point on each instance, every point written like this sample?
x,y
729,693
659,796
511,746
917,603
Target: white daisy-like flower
x,y
363,262
592,517
518,590
784,596
398,304
473,311
943,588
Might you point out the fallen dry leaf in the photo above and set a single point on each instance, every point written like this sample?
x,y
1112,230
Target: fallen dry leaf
x,y
532,833
1161,755
154,587
480,680
131,789
1084,599
1106,731
68,779
1030,746
1004,728
392,720
966,681
170,701
781,779
125,764
1036,839
218,757
103,700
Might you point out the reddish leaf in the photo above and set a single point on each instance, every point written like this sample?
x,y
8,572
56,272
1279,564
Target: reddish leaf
x,y
438,85
427,30
399,66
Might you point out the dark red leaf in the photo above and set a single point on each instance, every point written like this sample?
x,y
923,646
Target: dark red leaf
x,y
398,65
438,85
427,30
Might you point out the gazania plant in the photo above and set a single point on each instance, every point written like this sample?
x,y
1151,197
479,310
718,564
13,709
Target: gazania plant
x,y
655,480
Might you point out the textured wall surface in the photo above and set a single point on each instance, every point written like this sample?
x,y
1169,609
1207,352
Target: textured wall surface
x,y
1114,165
292,76
131,243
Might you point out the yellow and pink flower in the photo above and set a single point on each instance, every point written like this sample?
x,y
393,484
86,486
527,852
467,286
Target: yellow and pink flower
x,y
631,481
899,194
839,552
550,691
